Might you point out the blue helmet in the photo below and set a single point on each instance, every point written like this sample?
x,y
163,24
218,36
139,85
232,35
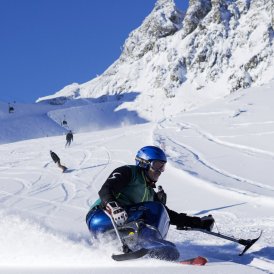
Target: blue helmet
x,y
147,154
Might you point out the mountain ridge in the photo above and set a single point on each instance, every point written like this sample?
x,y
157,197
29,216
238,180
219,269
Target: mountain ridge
x,y
194,58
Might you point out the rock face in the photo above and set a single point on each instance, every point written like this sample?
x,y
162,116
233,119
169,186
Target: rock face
x,y
216,47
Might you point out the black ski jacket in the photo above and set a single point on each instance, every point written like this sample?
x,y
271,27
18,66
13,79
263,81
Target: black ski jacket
x,y
54,157
69,136
122,177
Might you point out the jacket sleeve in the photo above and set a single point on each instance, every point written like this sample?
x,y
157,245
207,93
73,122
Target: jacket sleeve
x,y
182,220
119,178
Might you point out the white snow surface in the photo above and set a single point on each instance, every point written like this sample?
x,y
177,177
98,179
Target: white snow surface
x,y
220,162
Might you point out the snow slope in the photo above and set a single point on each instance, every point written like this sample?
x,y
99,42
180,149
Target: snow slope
x,y
41,120
220,160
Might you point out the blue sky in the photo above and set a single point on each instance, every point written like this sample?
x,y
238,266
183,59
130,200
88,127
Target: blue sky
x,y
48,44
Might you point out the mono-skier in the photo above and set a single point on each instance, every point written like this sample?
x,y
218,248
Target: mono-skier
x,y
56,159
132,184
69,138
161,195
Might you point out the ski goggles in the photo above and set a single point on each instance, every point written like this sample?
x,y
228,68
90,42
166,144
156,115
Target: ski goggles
x,y
158,165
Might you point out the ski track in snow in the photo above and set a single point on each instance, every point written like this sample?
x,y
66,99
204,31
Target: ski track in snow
x,y
245,149
219,171
189,159
59,201
70,186
184,150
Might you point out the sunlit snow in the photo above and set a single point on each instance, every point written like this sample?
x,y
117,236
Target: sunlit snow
x,y
220,162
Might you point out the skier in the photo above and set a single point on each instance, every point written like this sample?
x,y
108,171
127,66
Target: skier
x,y
161,195
132,184
11,109
69,138
56,159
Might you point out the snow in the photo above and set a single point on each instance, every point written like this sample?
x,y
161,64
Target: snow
x,y
220,162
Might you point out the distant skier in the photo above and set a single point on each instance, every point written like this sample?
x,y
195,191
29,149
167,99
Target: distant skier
x,y
161,195
11,109
69,138
56,159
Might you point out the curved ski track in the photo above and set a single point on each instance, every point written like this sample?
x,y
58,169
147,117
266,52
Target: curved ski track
x,y
195,163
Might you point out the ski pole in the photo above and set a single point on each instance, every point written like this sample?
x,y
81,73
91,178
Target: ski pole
x,y
125,247
247,243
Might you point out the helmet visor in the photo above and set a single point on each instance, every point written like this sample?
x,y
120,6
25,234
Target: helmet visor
x,y
157,165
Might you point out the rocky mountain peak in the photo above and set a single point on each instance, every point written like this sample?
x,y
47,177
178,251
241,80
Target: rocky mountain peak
x,y
164,20
215,48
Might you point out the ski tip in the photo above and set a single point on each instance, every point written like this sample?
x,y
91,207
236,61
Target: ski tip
x,y
195,261
249,243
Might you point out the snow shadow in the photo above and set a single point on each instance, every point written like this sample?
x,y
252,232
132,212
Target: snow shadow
x,y
71,101
94,114
57,116
217,208
265,252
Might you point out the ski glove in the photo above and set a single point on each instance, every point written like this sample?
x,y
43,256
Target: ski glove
x,y
118,214
183,222
207,222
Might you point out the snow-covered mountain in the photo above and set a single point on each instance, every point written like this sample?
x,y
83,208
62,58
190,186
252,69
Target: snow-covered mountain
x,y
176,61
